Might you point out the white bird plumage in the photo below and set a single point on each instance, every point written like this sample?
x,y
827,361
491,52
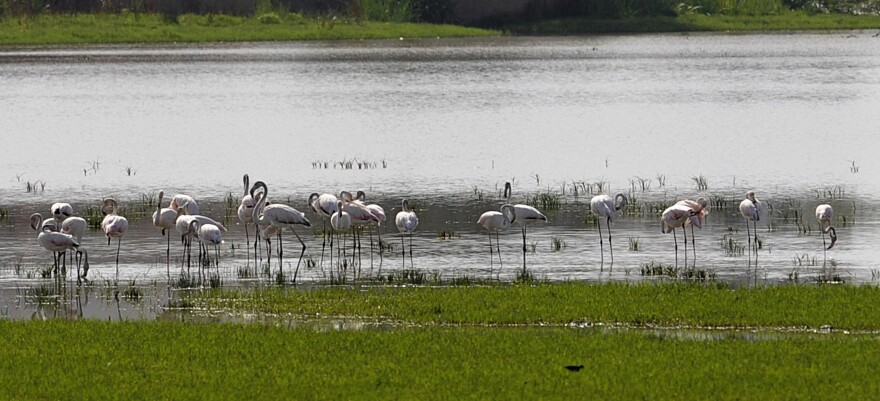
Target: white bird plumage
x,y
113,226
605,208
406,221
246,215
523,215
164,219
189,205
497,222
825,215
281,216
751,209
324,205
677,216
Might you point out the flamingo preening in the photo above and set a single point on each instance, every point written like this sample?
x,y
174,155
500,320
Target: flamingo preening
x,y
824,213
53,241
61,211
406,221
181,225
701,210
606,208
281,216
676,216
497,221
523,215
186,202
361,215
379,212
114,226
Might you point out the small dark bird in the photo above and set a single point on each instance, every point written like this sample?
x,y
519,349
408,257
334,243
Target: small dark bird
x,y
575,368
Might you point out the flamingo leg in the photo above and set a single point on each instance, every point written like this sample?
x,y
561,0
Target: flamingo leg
x,y
685,233
303,252
498,248
824,250
247,240
675,239
694,245
411,265
749,237
280,255
118,247
168,254
601,248
491,257
324,242
403,250
610,248
524,247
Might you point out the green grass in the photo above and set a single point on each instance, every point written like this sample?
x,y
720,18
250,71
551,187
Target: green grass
x,y
698,22
841,307
147,28
171,360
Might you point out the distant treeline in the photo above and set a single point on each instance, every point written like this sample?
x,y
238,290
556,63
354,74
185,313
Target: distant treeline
x,y
478,12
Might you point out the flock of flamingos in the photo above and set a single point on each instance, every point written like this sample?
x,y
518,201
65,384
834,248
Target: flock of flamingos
x,y
346,213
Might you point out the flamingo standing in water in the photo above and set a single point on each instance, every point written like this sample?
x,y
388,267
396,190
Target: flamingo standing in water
x,y
61,211
701,208
324,205
245,215
379,212
497,221
186,202
206,234
360,214
76,227
182,226
53,241
114,226
280,216
606,208
406,221
751,210
676,216
340,221
824,213
164,219
523,215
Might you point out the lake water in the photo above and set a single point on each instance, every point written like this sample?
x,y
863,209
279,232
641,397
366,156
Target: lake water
x,y
444,123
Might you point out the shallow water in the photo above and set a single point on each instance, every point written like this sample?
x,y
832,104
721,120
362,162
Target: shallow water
x,y
444,123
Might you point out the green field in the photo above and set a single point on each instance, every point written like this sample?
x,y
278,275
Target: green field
x,y
153,28
142,360
467,342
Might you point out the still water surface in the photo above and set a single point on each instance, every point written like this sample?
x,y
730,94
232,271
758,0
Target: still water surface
x,y
445,122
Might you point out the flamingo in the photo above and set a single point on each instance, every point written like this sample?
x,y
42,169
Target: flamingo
x,y
824,213
53,241
164,219
524,215
701,208
206,234
76,227
340,221
280,216
61,211
497,221
360,214
751,209
245,215
406,221
324,205
113,225
676,216
379,212
187,202
181,225
606,208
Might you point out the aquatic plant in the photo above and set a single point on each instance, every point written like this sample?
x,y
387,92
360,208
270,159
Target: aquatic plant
x,y
701,182
557,244
634,243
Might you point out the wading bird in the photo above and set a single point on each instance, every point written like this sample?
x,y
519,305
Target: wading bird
x,y
207,234
361,215
497,221
340,221
181,225
824,213
164,219
751,210
406,221
187,202
379,212
61,211
53,241
75,226
524,215
324,205
676,216
281,216
606,208
246,216
114,226
701,208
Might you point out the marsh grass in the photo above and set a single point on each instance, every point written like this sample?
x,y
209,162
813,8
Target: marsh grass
x,y
701,182
158,360
557,244
443,235
545,201
731,246
634,243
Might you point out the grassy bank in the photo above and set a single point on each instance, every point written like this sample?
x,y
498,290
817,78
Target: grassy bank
x,y
142,360
792,21
842,307
152,28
